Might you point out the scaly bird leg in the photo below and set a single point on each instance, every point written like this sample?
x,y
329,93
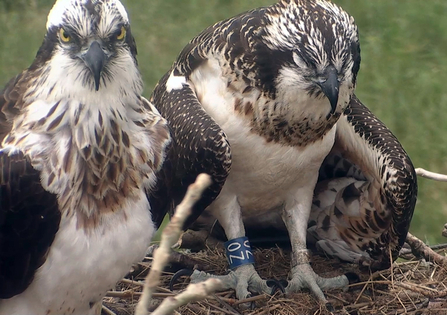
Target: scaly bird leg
x,y
295,215
244,278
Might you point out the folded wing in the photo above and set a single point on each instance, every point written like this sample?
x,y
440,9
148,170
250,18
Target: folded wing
x,y
366,194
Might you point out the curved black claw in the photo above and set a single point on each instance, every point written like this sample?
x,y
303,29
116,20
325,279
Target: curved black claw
x,y
352,277
177,275
277,285
284,283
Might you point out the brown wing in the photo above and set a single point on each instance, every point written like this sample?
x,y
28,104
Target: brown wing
x,y
367,190
9,107
29,220
198,146
29,215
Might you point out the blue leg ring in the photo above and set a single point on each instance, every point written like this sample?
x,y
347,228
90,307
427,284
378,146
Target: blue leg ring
x,y
239,252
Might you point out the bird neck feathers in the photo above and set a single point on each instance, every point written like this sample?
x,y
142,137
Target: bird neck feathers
x,y
95,150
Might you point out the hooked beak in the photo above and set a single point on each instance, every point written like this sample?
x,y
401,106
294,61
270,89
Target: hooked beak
x,y
330,87
95,59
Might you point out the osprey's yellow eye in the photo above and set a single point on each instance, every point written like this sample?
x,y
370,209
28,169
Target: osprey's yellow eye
x,y
121,34
64,36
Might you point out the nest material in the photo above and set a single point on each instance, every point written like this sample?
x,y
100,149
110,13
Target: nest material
x,y
409,287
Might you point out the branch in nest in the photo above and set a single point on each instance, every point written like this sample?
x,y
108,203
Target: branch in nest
x,y
431,175
198,240
177,258
193,292
407,250
170,236
419,249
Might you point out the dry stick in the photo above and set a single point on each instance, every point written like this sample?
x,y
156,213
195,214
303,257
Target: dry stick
x,y
420,249
130,293
431,175
251,299
107,310
132,282
435,176
407,251
266,310
170,236
224,303
141,284
194,292
425,291
224,311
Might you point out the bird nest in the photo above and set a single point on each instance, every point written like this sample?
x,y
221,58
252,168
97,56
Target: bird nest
x,y
410,286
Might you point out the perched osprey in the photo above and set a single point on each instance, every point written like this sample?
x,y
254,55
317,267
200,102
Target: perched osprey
x,y
258,102
79,155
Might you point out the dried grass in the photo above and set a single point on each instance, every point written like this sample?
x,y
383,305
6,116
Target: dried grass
x,y
409,287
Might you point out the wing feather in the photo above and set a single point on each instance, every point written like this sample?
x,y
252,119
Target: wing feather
x,y
29,220
233,38
198,146
9,102
373,213
29,215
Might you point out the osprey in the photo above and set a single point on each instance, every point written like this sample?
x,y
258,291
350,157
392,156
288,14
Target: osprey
x,y
258,101
79,156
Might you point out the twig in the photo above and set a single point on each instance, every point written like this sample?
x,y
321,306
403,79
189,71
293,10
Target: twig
x,y
123,294
391,268
365,285
179,258
107,310
224,311
225,304
132,282
420,249
266,310
170,236
358,305
431,175
439,246
406,251
194,292
141,284
425,291
198,240
251,299
335,297
130,293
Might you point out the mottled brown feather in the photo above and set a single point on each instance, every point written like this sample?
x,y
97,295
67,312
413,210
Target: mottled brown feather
x,y
392,191
197,147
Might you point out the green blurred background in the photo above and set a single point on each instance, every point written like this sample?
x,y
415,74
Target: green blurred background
x,y
403,75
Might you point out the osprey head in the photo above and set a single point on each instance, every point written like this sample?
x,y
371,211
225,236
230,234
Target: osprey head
x,y
315,50
90,40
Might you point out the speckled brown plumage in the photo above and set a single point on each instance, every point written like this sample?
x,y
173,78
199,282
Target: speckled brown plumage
x,y
389,188
80,150
391,175
198,145
249,60
279,81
